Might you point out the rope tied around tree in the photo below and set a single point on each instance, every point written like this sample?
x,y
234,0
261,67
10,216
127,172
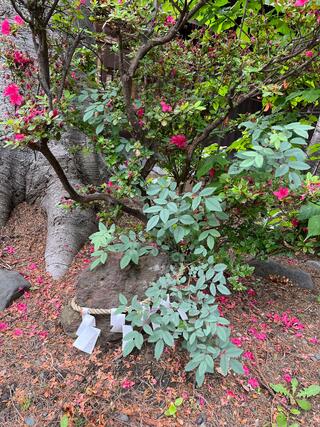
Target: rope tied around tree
x,y
97,311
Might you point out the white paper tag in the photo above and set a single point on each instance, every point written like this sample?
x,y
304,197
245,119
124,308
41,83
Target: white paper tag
x,y
87,320
117,321
87,340
126,329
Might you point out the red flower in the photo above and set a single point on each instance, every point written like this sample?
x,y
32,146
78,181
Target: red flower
x,y
281,193
5,28
140,112
179,141
294,222
166,108
309,53
212,172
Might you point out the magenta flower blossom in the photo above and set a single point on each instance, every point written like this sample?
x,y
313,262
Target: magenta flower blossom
x,y
281,193
19,137
12,91
18,20
3,326
127,384
300,3
253,382
166,108
287,378
179,141
5,28
169,21
309,53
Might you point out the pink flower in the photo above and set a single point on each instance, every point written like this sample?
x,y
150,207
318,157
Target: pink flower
x,y
246,370
19,137
309,53
39,280
5,27
295,222
236,341
253,382
18,332
3,326
179,141
169,21
32,266
251,293
166,108
10,250
230,393
18,20
287,378
248,355
13,92
300,3
314,340
127,384
281,193
22,307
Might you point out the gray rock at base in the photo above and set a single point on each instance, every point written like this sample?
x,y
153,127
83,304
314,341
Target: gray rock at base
x,y
12,285
269,268
100,288
313,264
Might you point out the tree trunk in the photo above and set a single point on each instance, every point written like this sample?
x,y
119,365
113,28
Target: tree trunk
x,y
26,176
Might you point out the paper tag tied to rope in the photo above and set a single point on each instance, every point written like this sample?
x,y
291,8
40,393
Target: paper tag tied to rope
x,y
87,333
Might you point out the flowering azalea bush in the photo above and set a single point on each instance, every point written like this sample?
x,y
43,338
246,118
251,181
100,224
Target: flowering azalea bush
x,y
183,84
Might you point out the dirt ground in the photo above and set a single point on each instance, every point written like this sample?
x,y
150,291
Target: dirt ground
x,y
45,381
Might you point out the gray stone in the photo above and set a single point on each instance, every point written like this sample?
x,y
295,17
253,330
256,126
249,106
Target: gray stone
x,y
313,264
12,285
100,288
269,268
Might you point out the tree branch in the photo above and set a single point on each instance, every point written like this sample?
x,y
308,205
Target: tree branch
x,y
74,195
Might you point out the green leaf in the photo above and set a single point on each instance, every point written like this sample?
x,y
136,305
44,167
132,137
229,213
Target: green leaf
x,y
259,161
281,420
224,365
187,219
178,234
210,242
304,404
314,226
153,221
129,346
309,210
179,401
125,260
223,290
171,411
158,349
279,388
213,204
295,411
311,391
164,215
195,203
123,300
64,421
236,366
281,170
299,165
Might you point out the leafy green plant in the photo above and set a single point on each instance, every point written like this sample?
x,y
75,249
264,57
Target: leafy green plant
x,y
173,407
131,246
182,306
275,148
298,400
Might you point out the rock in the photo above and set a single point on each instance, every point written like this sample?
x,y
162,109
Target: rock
x,y
100,288
269,268
12,285
314,264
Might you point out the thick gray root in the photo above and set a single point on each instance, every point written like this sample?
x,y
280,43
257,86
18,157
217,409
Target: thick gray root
x,y
27,176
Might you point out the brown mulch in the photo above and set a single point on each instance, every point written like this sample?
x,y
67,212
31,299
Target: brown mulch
x,y
45,381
